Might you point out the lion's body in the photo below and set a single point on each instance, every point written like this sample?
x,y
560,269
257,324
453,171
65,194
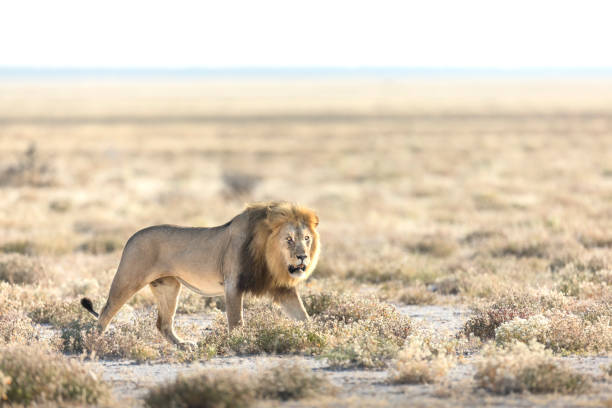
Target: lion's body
x,y
243,256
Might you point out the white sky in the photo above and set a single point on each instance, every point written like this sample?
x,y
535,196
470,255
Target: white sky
x,y
222,33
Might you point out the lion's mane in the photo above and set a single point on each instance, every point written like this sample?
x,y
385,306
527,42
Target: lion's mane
x,y
262,270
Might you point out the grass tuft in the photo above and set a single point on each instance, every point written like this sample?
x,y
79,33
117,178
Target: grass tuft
x,y
19,269
520,368
230,388
420,363
40,376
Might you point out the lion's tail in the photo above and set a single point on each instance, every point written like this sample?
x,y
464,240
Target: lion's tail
x,y
87,304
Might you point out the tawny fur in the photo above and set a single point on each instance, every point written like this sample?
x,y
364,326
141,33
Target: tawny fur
x,y
245,255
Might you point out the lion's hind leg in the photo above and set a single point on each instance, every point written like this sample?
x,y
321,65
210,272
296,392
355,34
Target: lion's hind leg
x,y
166,292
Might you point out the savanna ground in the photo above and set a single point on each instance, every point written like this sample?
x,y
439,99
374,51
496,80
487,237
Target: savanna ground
x,y
466,229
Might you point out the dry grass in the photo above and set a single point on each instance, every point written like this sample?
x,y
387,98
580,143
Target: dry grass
x,y
521,367
420,362
31,374
20,269
488,193
350,331
229,388
564,324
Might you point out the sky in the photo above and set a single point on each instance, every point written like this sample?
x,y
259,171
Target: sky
x,y
313,33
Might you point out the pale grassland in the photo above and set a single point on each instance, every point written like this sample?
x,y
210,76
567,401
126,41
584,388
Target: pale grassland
x,y
487,193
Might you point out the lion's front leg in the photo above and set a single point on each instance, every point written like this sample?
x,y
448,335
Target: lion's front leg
x,y
292,304
233,306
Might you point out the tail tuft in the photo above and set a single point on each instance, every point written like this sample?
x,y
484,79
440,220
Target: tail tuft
x,y
87,304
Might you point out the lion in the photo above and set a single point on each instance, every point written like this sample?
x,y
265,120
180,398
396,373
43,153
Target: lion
x,y
265,250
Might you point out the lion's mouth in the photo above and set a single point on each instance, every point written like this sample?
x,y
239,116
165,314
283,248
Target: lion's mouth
x,y
294,269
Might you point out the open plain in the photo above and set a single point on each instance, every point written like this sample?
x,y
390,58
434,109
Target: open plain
x,y
466,229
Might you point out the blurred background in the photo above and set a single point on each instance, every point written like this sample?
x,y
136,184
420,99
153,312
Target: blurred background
x,y
432,137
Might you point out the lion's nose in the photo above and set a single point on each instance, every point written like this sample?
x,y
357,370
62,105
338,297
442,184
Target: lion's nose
x,y
301,257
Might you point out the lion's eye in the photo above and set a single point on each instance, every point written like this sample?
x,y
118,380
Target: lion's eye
x,y
289,239
306,238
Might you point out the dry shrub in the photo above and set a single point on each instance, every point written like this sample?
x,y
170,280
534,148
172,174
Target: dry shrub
x,y
38,375
520,249
365,351
420,363
523,330
485,320
29,170
521,367
595,239
362,331
264,331
211,389
417,295
351,331
585,281
574,334
437,245
239,184
230,388
392,269
20,269
348,308
563,324
137,339
16,327
292,381
23,247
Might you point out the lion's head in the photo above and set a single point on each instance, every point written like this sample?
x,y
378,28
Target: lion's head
x,y
282,246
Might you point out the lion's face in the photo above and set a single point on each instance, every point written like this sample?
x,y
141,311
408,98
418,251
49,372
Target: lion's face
x,y
295,243
285,236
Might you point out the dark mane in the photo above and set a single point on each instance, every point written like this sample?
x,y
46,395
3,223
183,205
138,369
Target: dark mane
x,y
265,220
254,275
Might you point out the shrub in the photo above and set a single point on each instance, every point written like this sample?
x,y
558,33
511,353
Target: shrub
x,y
438,245
417,295
29,170
419,363
485,320
20,269
520,367
239,184
574,333
264,331
584,281
362,352
524,330
37,376
23,247
520,249
563,326
15,327
137,339
214,389
350,331
58,313
292,382
230,388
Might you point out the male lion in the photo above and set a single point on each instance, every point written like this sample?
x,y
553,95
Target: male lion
x,y
267,249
